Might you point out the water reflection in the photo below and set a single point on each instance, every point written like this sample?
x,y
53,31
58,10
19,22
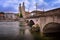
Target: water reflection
x,y
53,36
28,35
36,36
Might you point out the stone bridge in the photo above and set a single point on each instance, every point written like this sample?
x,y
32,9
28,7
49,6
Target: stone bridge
x,y
42,21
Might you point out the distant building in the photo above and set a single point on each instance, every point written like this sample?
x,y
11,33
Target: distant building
x,y
25,14
2,16
10,16
22,10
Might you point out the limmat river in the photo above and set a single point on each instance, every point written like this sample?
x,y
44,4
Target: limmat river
x,y
9,30
12,31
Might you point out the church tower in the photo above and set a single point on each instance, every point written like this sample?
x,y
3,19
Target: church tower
x,y
23,10
20,9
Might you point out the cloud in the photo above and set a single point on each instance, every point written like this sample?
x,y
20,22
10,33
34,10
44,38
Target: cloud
x,y
32,4
6,9
49,5
12,5
57,1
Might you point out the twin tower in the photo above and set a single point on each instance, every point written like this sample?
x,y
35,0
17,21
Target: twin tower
x,y
22,10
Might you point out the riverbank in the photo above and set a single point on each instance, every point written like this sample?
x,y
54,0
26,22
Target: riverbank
x,y
8,20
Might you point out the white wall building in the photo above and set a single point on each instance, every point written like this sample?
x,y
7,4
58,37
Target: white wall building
x,y
10,16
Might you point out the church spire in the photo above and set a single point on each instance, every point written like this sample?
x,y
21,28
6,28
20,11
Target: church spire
x,y
23,10
19,9
23,5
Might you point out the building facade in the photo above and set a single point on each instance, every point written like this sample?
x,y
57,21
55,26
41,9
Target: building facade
x,y
8,16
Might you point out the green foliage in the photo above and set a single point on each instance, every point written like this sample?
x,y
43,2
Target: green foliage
x,y
21,15
2,12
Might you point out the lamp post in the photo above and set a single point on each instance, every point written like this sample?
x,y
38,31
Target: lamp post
x,y
36,8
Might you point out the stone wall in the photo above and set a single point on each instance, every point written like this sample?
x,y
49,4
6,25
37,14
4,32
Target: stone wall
x,y
46,20
42,21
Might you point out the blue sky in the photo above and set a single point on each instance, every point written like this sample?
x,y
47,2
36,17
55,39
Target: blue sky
x,y
12,5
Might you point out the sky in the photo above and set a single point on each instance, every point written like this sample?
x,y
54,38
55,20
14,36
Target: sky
x,y
12,5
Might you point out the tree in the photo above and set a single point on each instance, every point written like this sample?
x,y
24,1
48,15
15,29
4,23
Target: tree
x,y
21,15
2,12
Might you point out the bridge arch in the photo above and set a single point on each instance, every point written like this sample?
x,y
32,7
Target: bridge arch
x,y
51,27
31,23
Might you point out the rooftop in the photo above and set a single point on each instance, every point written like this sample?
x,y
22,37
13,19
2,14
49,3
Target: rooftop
x,y
38,14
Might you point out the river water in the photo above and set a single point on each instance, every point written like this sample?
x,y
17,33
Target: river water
x,y
9,30
12,31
